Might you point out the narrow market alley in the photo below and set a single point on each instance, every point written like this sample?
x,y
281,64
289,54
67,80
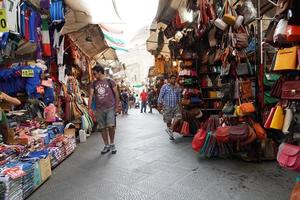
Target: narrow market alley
x,y
150,166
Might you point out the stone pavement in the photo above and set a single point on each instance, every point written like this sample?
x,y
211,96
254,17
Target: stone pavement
x,y
149,166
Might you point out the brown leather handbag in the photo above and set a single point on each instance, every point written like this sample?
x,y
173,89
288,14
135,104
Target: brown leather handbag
x,y
246,89
291,90
282,6
238,133
240,40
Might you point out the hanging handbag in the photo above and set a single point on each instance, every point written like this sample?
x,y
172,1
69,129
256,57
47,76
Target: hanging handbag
x,y
212,37
291,90
277,121
246,89
247,108
219,23
268,99
229,19
240,40
242,69
199,140
276,90
289,156
270,117
270,31
288,118
238,22
238,133
222,134
293,33
228,108
280,32
259,130
286,59
228,90
248,11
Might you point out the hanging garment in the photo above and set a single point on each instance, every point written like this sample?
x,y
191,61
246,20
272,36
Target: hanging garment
x,y
27,27
57,10
45,37
32,26
23,8
11,7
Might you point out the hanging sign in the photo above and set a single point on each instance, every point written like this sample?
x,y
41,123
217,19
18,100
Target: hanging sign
x,y
27,73
3,21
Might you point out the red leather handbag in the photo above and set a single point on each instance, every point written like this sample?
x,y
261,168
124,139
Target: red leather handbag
x,y
270,117
293,33
291,90
199,139
185,130
222,134
289,156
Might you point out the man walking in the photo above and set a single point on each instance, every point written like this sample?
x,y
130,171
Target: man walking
x,y
107,100
144,99
169,98
151,99
124,101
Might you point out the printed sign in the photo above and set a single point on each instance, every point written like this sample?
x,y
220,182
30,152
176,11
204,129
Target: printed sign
x,y
27,73
3,21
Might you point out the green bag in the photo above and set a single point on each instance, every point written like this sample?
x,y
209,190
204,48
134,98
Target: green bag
x,y
206,143
270,79
269,99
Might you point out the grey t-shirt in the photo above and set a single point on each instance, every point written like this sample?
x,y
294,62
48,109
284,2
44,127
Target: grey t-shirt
x,y
104,94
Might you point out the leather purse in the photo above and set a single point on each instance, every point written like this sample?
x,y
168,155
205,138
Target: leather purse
x,y
238,22
293,33
260,131
286,59
248,11
270,31
289,156
238,133
240,40
288,118
277,121
269,118
229,19
247,108
199,140
222,134
219,23
291,90
212,37
228,108
246,89
276,89
185,102
242,69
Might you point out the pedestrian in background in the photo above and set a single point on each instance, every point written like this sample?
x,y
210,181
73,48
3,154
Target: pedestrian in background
x,y
169,100
124,101
144,99
151,97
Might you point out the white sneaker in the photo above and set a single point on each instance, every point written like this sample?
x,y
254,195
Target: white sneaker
x,y
113,149
170,133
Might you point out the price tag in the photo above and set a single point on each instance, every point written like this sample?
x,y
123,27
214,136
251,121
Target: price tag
x,y
3,21
27,73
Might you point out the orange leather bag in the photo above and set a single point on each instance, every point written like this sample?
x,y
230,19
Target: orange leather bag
x,y
247,108
260,131
295,195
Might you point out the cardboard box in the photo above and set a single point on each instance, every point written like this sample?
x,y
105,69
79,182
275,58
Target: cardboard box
x,y
70,132
45,168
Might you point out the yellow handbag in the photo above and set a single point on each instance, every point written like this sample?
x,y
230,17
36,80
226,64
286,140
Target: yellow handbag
x,y
229,19
286,59
238,112
277,121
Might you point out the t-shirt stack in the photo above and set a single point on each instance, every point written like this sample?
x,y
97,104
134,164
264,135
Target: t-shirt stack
x,y
13,188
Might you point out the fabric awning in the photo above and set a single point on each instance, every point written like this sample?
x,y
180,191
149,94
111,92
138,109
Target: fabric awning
x,y
89,40
74,21
167,10
151,44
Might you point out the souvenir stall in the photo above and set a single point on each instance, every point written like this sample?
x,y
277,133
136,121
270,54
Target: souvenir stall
x,y
281,81
49,74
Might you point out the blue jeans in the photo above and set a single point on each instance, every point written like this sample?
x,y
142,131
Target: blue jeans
x,y
125,107
144,106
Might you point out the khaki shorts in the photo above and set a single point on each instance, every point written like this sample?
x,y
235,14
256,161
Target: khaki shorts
x,y
169,113
106,118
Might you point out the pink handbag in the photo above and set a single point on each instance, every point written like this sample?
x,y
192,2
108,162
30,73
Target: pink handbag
x,y
198,140
289,156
